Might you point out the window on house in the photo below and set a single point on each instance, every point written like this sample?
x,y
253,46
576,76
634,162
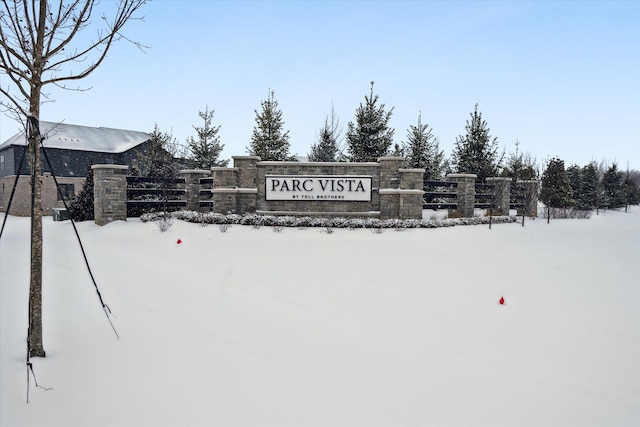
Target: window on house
x,y
67,191
1,162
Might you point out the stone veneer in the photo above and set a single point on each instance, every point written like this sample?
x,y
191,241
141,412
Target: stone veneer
x,y
530,201
396,192
21,204
466,190
501,194
109,193
192,186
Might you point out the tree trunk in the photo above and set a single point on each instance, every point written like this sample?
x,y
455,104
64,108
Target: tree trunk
x,y
36,349
35,289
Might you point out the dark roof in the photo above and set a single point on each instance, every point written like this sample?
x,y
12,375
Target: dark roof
x,y
84,138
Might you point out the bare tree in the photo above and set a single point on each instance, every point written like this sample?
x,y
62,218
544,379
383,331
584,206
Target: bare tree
x,y
39,48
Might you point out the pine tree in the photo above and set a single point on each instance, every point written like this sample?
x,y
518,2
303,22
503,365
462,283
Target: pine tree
x,y
205,151
613,187
589,197
370,137
81,207
574,173
520,166
158,159
556,188
268,140
631,189
422,150
327,148
476,152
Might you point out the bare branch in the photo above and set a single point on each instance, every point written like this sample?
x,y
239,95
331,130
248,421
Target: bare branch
x,y
37,38
32,51
14,107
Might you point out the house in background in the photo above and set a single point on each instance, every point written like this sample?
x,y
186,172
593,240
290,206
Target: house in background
x,y
70,149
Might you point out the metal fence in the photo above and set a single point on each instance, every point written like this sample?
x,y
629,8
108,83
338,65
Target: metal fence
x,y
153,194
439,195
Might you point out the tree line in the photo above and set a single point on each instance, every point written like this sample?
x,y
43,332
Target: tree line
x,y
369,136
593,186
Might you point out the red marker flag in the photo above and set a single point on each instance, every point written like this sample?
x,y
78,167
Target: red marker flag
x,y
179,241
501,301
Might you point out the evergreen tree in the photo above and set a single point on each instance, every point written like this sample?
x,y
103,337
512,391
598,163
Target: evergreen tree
x,y
327,148
556,188
205,151
423,151
158,159
82,205
613,187
520,166
397,151
590,190
574,173
476,152
370,137
631,189
268,140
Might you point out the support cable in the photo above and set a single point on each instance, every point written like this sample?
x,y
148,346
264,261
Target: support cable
x,y
32,126
105,307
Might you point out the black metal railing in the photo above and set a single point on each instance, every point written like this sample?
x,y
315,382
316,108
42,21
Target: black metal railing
x,y
153,194
438,195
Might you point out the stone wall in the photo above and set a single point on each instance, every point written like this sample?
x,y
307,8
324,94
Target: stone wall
x,y
501,194
466,190
315,207
192,186
395,192
21,204
530,198
109,193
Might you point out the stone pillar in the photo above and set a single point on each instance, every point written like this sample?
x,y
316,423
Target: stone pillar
x,y
247,185
192,182
389,185
109,193
389,176
411,191
466,193
530,202
224,190
224,177
247,170
501,194
389,203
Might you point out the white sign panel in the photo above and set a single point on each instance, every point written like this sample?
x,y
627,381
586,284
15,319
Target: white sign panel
x,y
318,187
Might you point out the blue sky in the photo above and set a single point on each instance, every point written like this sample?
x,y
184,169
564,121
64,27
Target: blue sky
x,y
563,78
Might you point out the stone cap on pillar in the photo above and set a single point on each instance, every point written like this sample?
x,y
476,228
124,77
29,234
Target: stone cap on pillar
x,y
223,168
194,171
109,167
257,158
462,175
391,158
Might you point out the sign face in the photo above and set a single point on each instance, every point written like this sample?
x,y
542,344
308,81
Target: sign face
x,y
337,188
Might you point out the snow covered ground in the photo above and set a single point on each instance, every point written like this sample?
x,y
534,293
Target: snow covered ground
x,y
302,327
